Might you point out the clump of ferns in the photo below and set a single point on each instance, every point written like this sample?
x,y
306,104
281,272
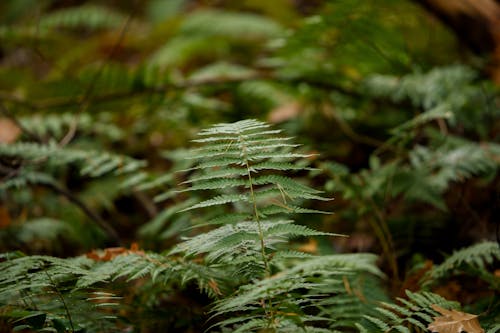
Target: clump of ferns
x,y
245,164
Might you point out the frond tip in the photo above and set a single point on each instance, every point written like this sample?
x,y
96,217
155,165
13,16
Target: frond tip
x,y
248,154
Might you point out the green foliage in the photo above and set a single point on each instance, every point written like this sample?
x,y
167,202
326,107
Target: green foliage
x,y
473,259
415,312
37,292
33,157
271,288
97,104
251,161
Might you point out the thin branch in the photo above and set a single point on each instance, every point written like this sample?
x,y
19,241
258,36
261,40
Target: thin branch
x,y
349,132
58,188
108,229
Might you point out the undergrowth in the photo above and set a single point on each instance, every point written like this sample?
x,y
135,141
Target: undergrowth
x,y
243,263
369,198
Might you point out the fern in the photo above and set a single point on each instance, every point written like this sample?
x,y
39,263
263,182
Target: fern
x,y
39,287
431,170
56,125
474,259
93,17
29,158
230,24
247,162
42,234
236,148
414,312
447,93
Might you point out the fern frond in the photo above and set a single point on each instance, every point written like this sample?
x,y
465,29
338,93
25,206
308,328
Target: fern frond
x,y
35,156
26,177
88,16
292,290
247,162
230,24
56,125
476,257
45,231
177,52
493,329
279,208
294,230
220,200
431,170
42,282
220,71
416,312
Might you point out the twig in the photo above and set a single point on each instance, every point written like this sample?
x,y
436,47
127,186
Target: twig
x,y
110,231
349,132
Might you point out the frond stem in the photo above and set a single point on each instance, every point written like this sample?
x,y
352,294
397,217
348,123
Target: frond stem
x,y
261,234
66,309
257,219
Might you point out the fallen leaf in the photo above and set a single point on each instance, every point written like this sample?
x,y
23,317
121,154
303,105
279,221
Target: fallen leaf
x,y
310,247
412,281
9,131
453,321
284,112
5,220
112,252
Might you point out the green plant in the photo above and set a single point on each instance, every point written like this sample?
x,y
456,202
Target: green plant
x,y
247,264
407,127
249,164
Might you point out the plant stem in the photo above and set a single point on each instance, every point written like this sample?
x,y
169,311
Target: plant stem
x,y
62,300
382,231
261,234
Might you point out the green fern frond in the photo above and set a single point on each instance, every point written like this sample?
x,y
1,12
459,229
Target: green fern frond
x,y
88,16
230,218
34,156
430,170
231,25
44,232
56,125
476,257
179,51
294,230
108,78
424,89
46,284
25,177
415,312
219,200
493,329
280,208
292,290
220,71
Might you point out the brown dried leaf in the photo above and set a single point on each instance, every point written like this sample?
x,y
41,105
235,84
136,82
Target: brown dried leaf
x,y
284,112
453,321
310,247
112,252
5,219
9,131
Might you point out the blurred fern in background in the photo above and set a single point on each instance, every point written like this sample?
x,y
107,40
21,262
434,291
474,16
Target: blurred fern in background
x,y
100,103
